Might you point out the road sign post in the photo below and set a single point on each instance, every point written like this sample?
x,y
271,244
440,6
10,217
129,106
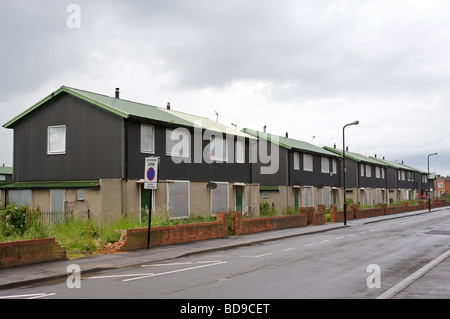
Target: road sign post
x,y
150,182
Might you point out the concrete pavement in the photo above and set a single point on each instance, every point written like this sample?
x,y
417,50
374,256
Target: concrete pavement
x,y
418,286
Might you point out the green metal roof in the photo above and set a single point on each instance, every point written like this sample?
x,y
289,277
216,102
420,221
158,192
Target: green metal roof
x,y
355,156
399,165
51,184
6,170
125,109
290,143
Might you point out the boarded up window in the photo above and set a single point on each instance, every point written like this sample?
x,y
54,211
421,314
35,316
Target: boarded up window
x,y
308,197
57,200
219,198
178,198
326,196
20,197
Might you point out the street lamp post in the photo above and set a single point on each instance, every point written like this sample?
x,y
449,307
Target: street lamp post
x,y
344,170
429,190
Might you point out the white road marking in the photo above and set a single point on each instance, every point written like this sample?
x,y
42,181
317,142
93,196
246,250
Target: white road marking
x,y
120,276
287,249
184,263
29,296
258,256
175,271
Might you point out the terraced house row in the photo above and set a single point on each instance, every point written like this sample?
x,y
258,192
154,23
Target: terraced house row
x,y
77,150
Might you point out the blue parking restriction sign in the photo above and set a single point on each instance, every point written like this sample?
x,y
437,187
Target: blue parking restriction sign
x,y
151,173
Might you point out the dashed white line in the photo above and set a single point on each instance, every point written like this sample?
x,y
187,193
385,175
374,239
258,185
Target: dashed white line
x,y
287,249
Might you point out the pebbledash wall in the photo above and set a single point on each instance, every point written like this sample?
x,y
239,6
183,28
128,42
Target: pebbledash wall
x,y
108,199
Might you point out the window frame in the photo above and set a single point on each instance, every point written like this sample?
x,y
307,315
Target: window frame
x,y
146,151
310,158
239,151
56,152
186,148
325,165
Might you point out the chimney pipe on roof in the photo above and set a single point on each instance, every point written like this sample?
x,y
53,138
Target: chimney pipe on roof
x,y
168,105
117,93
264,130
287,134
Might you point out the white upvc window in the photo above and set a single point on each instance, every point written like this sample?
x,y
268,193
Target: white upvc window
x,y
377,172
178,142
368,170
56,139
296,161
218,148
147,138
334,163
325,165
239,151
308,162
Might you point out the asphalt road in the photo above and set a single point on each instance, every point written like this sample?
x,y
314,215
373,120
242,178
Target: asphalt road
x,y
345,263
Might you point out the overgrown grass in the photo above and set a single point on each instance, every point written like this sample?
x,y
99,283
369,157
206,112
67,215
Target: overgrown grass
x,y
78,235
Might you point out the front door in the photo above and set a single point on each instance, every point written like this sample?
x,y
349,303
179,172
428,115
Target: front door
x,y
146,202
239,198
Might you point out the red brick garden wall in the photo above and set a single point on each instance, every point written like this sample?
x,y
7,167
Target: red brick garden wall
x,y
25,252
167,235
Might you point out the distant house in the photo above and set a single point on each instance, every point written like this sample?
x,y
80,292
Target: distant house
x,y
366,179
78,150
6,174
307,175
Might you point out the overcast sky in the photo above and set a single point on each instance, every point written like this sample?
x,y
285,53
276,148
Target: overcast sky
x,y
306,67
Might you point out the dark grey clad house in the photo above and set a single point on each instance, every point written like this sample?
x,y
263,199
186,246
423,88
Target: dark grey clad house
x,y
366,180
307,174
371,180
403,181
78,150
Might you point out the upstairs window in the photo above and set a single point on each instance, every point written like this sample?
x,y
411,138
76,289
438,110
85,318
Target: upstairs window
x,y
56,139
308,162
147,139
218,149
368,171
325,165
296,161
240,151
178,142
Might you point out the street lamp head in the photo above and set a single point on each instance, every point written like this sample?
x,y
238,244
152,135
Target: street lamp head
x,y
354,123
